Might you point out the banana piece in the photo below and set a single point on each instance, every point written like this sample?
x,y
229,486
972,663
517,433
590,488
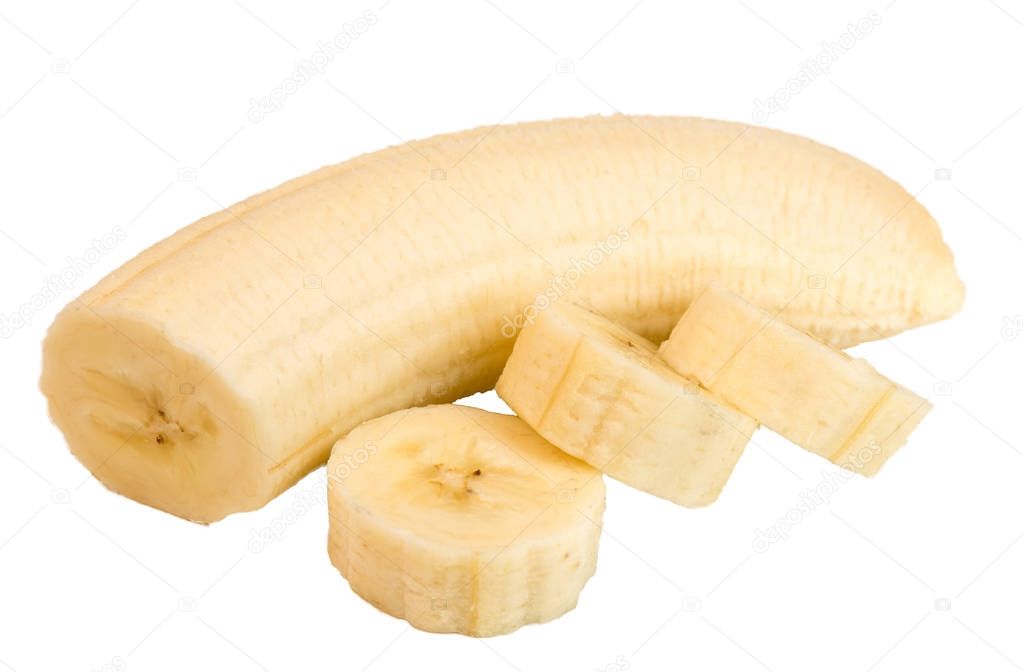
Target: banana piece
x,y
219,366
601,393
817,397
460,520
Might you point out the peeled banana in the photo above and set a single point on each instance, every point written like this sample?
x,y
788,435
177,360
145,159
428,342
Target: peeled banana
x,y
601,393
216,368
815,396
461,520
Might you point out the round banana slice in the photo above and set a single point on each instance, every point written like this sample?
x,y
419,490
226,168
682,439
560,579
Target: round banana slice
x,y
601,393
461,520
815,396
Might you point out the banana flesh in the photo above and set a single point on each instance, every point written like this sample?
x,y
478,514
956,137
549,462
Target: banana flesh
x,y
460,520
817,397
219,366
601,393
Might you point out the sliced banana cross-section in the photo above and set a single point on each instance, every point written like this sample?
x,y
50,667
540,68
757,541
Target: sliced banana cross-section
x,y
600,392
460,520
815,396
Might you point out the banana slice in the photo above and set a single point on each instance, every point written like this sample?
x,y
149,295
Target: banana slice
x,y
461,520
813,395
601,393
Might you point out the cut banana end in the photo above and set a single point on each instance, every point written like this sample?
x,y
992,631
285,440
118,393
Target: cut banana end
x,y
152,421
601,393
461,520
815,396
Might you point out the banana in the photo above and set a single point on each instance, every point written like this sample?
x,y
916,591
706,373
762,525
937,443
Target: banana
x,y
817,397
600,393
218,367
461,520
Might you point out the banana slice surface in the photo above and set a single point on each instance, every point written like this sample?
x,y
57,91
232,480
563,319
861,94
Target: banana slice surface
x,y
816,396
461,520
601,393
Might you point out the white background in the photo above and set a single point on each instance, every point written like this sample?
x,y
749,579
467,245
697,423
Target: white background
x,y
135,115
